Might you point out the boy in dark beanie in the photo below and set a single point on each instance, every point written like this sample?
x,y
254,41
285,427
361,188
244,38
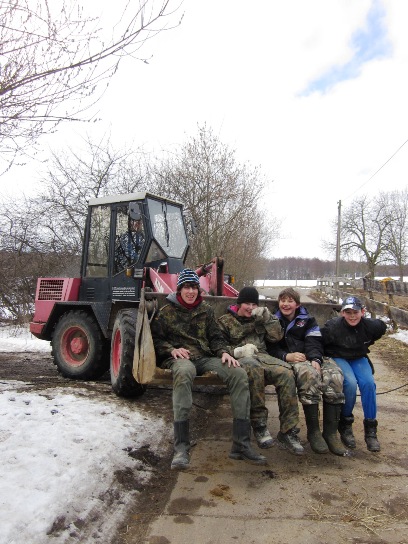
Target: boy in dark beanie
x,y
249,295
188,340
247,327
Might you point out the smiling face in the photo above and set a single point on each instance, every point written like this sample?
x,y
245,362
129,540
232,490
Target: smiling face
x,y
352,317
288,307
189,292
245,309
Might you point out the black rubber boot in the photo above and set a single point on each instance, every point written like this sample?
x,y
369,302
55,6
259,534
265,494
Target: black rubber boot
x,y
314,435
181,457
331,418
370,434
241,443
346,431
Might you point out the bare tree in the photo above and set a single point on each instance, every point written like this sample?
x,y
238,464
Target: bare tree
x,y
53,60
364,225
43,235
396,235
72,179
222,198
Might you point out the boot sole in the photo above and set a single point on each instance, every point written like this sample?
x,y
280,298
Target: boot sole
x,y
335,450
348,445
240,457
265,445
179,467
373,450
290,450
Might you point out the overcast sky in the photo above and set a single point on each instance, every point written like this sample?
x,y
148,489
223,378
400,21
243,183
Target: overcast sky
x,y
314,92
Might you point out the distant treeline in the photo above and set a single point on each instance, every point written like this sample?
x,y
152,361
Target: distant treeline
x,y
289,268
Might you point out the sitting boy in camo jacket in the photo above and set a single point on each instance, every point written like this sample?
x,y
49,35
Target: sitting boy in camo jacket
x,y
247,327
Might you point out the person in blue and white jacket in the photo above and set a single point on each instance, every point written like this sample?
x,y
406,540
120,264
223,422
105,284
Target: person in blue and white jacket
x,y
316,376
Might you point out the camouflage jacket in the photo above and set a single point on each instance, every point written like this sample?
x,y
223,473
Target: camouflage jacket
x,y
239,331
195,330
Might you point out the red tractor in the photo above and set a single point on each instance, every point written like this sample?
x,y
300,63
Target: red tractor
x,y
134,247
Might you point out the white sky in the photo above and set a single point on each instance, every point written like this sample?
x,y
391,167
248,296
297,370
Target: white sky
x,y
57,458
314,92
59,450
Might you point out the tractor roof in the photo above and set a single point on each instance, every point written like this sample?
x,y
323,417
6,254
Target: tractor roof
x,y
130,197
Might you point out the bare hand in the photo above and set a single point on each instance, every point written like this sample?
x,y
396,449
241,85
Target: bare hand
x,y
227,358
315,365
180,353
296,357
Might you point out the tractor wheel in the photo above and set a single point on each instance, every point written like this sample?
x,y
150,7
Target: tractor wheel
x,y
121,360
79,349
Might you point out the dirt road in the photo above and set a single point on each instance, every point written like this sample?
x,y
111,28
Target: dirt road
x,y
319,499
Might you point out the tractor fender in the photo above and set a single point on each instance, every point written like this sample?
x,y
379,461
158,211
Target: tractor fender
x,y
101,311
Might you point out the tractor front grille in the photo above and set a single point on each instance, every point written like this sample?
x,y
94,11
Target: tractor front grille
x,y
50,289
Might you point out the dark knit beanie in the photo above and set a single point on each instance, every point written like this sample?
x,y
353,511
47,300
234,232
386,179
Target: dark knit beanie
x,y
248,294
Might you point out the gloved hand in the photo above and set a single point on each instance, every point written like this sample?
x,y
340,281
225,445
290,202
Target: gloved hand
x,y
261,314
245,351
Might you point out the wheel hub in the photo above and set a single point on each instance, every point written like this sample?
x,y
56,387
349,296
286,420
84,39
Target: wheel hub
x,y
78,345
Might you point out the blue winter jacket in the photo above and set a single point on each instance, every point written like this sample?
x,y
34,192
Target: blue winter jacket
x,y
302,334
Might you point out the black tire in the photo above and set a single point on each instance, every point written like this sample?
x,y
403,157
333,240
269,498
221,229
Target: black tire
x,y
79,349
121,359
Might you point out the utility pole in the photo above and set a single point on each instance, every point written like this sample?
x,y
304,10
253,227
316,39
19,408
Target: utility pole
x,y
338,240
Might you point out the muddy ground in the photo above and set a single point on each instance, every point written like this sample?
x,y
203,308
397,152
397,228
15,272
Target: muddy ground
x,y
360,499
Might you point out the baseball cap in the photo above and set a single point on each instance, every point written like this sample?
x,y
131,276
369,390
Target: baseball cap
x,y
352,303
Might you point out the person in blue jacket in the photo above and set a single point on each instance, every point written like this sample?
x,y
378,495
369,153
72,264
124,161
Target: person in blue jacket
x,y
347,340
316,376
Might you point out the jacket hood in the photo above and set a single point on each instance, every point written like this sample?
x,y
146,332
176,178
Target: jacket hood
x,y
233,309
172,297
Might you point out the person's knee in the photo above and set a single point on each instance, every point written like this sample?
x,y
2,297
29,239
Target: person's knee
x,y
238,374
183,372
367,384
350,385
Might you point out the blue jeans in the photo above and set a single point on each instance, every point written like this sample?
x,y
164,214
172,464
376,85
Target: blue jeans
x,y
358,373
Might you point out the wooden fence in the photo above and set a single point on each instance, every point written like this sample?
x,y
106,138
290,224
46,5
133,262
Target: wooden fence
x,y
344,289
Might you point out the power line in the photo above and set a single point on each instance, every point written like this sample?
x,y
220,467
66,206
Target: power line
x,y
381,167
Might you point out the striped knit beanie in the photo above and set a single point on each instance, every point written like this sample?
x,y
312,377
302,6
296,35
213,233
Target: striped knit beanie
x,y
187,276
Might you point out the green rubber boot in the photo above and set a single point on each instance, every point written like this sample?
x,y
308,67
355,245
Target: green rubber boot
x,y
314,435
331,418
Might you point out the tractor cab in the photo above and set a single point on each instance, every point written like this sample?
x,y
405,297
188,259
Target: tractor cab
x,y
123,235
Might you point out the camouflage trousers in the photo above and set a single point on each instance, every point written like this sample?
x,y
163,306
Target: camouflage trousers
x,y
313,384
262,369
